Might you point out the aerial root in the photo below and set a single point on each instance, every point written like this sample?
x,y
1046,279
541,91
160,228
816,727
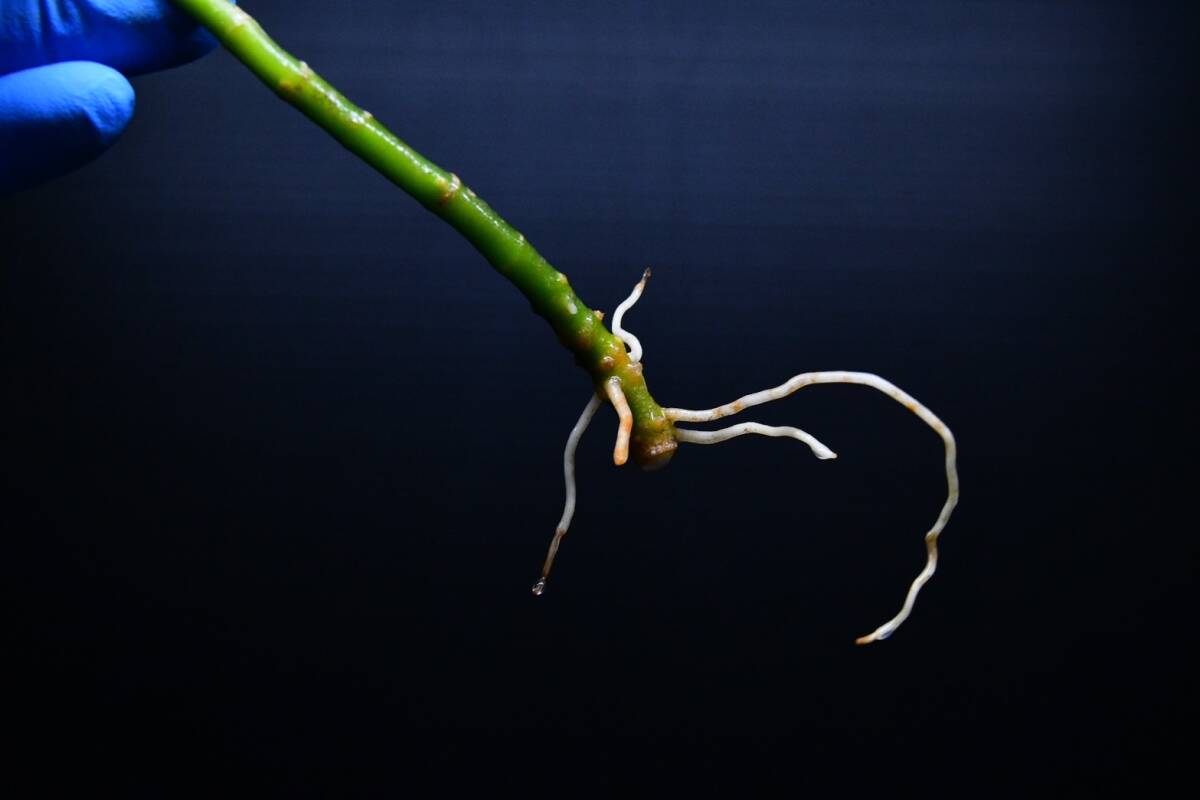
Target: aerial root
x,y
620,452
585,419
724,434
888,628
612,388
863,379
631,341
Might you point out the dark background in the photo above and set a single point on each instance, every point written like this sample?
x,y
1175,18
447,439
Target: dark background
x,y
282,453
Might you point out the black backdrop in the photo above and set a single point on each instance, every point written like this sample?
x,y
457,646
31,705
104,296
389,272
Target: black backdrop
x,y
282,453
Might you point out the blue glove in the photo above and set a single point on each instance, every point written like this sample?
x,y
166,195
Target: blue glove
x,y
63,94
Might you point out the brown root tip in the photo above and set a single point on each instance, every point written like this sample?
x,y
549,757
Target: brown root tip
x,y
864,639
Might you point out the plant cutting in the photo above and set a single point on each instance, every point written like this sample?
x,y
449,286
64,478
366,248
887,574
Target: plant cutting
x,y
648,432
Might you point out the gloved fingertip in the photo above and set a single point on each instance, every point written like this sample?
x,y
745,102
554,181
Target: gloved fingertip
x,y
109,103
56,118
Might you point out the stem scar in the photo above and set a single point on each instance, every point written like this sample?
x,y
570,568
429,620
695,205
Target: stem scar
x,y
451,190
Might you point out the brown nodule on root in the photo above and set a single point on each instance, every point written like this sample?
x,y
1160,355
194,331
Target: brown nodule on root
x,y
656,452
654,444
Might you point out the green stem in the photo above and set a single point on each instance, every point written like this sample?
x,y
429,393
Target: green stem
x,y
578,327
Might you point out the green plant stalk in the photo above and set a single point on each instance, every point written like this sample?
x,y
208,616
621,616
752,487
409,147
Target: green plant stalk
x,y
578,327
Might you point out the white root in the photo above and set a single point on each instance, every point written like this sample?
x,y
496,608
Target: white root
x,y
724,434
900,396
585,419
615,395
631,341
612,387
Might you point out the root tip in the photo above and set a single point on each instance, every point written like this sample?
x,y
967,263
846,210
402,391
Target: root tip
x,y
875,636
539,587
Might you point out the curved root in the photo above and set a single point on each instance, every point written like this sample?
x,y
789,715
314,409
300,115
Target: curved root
x,y
900,396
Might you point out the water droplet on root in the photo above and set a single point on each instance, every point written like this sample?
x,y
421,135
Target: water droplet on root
x,y
539,587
